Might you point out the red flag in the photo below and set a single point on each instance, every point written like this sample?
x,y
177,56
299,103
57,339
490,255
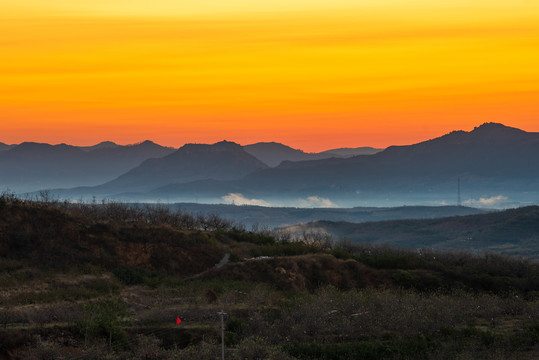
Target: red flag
x,y
178,320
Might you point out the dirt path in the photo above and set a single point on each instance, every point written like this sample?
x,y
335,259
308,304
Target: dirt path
x,y
220,264
223,261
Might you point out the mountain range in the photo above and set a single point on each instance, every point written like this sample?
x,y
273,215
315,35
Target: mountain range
x,y
491,166
221,161
33,166
30,166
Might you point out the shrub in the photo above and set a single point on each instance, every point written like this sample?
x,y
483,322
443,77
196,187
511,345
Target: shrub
x,y
129,275
285,249
132,276
234,331
249,236
103,318
403,278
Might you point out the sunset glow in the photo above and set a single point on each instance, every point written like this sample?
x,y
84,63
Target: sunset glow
x,y
304,73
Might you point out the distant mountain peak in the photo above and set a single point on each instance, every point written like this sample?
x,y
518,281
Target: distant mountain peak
x,y
227,144
100,146
488,125
30,146
273,144
219,146
495,133
489,133
33,144
492,126
145,143
224,160
106,144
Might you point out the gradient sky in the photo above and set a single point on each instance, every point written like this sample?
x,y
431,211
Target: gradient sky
x,y
311,74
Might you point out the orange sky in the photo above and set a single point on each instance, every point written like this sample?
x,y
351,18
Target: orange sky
x,y
311,74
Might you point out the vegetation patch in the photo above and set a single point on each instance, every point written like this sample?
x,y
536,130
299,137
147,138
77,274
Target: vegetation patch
x,y
135,282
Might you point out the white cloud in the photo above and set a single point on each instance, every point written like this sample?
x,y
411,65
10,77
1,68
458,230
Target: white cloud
x,y
486,202
316,201
239,199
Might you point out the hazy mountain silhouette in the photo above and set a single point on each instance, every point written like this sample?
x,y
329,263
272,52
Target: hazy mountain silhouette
x,y
349,152
273,153
101,145
5,146
221,161
490,160
33,166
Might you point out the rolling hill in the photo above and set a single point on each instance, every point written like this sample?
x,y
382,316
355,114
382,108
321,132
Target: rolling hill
x,y
270,217
513,231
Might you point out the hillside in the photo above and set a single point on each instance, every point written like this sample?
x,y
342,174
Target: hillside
x,y
514,231
113,281
52,237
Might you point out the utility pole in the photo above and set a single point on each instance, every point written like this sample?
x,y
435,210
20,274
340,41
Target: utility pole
x,y
222,313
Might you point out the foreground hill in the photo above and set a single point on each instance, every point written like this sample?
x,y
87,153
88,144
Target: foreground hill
x,y
85,237
514,231
112,281
34,166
